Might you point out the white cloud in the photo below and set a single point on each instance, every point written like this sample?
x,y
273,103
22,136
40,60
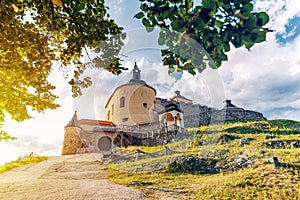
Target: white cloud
x,y
280,11
115,6
265,79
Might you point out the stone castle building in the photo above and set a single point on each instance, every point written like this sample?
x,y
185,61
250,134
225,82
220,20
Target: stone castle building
x,y
135,116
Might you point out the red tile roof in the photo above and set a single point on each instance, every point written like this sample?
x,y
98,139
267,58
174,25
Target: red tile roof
x,y
97,122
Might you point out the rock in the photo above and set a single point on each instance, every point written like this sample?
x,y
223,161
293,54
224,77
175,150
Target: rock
x,y
275,144
224,139
202,143
283,144
247,151
218,154
240,160
236,163
214,162
244,141
192,164
264,153
295,144
276,162
270,137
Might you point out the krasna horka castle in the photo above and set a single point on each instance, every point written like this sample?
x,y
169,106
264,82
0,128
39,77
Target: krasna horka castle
x,y
135,116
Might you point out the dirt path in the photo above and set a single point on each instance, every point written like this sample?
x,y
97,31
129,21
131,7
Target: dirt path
x,y
64,177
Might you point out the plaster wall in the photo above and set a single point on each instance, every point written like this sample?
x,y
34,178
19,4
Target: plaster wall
x,y
138,105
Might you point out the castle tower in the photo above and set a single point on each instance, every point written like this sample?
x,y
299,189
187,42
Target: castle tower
x,y
72,140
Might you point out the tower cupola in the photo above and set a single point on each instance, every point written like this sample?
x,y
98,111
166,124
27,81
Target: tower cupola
x,y
136,72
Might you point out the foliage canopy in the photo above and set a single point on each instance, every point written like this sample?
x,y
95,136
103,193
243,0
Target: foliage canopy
x,y
214,24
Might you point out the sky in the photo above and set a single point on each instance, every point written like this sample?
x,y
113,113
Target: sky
x,y
266,79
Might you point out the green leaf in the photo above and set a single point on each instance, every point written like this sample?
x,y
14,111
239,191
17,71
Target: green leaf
x,y
175,25
201,67
251,21
212,64
261,36
190,4
166,14
161,41
179,69
253,36
171,70
139,15
218,24
223,57
146,22
197,9
210,4
247,9
262,18
248,45
226,47
149,28
237,41
187,66
192,71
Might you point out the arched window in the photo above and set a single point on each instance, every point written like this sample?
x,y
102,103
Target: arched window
x,y
122,102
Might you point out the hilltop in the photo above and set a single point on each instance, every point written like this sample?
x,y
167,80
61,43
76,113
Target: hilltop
x,y
234,162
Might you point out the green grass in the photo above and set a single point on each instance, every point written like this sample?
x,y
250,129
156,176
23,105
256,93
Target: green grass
x,y
30,159
261,181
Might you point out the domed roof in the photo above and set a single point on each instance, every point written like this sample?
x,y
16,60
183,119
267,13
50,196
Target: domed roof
x,y
135,80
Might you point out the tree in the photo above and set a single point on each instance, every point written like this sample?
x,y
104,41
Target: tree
x,y
36,33
214,25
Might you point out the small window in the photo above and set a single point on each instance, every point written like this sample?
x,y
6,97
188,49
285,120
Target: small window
x,y
145,105
108,115
125,119
122,102
112,109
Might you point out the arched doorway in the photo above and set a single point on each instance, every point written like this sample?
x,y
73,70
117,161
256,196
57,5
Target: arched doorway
x,y
104,143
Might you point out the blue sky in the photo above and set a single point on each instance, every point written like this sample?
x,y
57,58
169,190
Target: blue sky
x,y
265,79
291,31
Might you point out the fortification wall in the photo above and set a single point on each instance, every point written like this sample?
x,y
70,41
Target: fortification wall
x,y
195,115
191,114
240,114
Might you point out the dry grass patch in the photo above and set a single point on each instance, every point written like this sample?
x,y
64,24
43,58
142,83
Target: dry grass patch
x,y
29,159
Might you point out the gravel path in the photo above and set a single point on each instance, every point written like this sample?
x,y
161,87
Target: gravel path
x,y
64,177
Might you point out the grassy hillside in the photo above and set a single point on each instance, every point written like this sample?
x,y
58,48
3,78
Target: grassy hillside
x,y
234,162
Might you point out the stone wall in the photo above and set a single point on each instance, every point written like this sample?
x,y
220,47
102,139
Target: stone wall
x,y
238,114
195,115
72,140
191,114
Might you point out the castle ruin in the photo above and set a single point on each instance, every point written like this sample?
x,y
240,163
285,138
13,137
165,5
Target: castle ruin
x,y
135,116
